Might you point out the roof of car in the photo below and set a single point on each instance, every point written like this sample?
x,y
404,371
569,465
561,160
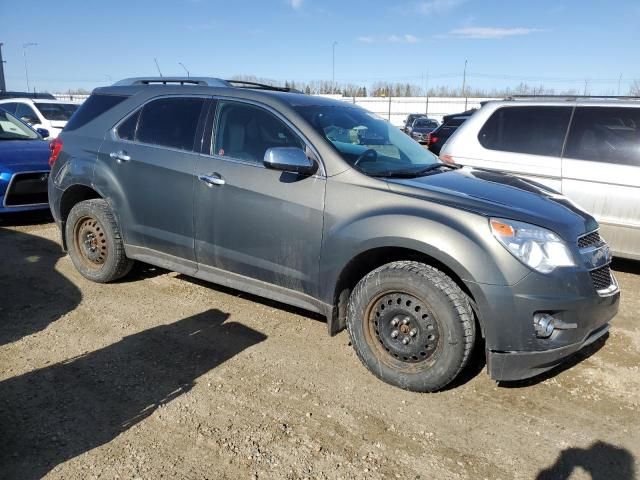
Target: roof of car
x,y
35,100
213,86
561,100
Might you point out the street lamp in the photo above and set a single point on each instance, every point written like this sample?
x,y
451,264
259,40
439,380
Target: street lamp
x,y
333,68
24,52
185,68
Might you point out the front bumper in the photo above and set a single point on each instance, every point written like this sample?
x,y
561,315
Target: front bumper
x,y
508,366
514,352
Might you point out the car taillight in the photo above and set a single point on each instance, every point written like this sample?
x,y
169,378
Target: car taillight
x,y
55,146
432,139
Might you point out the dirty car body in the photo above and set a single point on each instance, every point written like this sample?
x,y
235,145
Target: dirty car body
x,y
306,239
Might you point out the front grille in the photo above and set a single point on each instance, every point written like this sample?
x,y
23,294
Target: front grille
x,y
589,240
601,277
27,189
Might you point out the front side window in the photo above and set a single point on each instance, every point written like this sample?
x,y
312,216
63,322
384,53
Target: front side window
x,y
366,141
245,132
530,130
25,113
170,122
605,134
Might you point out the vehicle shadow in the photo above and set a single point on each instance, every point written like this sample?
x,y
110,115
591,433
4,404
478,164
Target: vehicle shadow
x,y
601,460
56,413
33,293
570,362
626,266
255,298
18,219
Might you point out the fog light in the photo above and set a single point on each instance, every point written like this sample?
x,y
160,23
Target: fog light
x,y
544,325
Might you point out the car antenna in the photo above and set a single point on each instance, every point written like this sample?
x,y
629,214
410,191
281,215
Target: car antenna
x,y
157,66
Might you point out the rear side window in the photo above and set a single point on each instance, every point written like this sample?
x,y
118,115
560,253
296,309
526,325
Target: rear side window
x,y
605,134
9,107
170,122
93,106
531,130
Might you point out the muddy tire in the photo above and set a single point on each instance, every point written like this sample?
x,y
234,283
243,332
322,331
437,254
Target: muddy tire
x,y
94,242
411,326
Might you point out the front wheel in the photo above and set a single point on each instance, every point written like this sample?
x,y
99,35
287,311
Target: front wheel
x,y
94,242
411,325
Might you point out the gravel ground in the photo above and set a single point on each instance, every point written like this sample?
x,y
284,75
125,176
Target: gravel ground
x,y
163,376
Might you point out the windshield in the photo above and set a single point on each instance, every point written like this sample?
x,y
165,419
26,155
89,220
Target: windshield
x,y
13,129
57,111
367,142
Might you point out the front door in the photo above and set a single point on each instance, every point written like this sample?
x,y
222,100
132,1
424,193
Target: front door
x,y
601,172
259,223
151,157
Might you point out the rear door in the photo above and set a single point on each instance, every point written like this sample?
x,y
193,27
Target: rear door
x,y
151,155
524,140
601,172
256,222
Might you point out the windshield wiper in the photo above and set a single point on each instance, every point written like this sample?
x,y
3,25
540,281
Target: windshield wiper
x,y
415,173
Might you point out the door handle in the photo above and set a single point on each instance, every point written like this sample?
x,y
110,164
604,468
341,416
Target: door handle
x,y
212,179
120,156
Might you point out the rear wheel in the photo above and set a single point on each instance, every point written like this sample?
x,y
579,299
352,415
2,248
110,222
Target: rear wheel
x,y
411,325
94,242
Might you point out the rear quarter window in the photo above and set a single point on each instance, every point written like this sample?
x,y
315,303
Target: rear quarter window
x,y
93,107
605,134
531,130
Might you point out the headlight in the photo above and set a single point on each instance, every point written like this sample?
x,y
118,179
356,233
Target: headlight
x,y
536,247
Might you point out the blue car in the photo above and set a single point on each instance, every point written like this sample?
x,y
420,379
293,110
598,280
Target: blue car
x,y
24,166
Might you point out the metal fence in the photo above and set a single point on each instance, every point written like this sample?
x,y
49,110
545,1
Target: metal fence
x,y
394,109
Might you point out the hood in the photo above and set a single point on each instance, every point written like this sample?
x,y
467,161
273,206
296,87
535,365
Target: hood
x,y
27,153
495,194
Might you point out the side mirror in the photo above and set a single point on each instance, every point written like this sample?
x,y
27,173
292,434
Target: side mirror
x,y
289,159
44,133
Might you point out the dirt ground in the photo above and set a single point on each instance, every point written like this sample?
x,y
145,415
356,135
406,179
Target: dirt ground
x,y
163,376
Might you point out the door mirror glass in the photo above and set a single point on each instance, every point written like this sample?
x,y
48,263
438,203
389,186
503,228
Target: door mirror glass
x,y
289,159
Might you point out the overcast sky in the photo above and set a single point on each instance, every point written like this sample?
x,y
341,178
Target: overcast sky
x,y
560,44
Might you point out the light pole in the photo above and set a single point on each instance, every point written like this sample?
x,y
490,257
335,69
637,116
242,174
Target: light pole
x,y
333,67
185,68
24,52
464,84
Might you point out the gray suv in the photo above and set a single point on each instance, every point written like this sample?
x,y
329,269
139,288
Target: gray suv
x,y
322,205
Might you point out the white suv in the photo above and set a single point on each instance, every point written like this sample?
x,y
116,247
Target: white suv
x,y
586,148
51,115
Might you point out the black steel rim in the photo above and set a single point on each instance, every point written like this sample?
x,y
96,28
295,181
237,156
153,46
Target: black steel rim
x,y
404,327
90,242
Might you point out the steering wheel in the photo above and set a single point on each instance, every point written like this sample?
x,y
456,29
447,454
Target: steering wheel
x,y
367,155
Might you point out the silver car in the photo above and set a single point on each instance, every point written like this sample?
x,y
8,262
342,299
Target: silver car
x,y
588,149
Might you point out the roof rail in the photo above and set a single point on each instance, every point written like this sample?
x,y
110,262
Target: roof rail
x,y
201,81
573,97
260,86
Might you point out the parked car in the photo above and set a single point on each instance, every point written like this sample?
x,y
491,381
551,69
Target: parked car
x,y
319,204
24,167
407,122
587,149
5,94
421,128
438,137
51,115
